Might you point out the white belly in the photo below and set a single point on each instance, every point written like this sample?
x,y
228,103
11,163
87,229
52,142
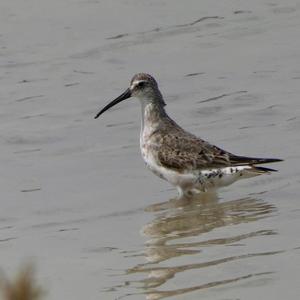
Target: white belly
x,y
202,180
184,180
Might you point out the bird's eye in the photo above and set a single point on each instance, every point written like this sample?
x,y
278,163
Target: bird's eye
x,y
141,84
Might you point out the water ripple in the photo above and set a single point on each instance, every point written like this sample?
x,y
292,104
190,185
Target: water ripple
x,y
178,235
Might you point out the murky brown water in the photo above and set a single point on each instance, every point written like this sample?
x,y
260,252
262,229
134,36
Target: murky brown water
x,y
75,195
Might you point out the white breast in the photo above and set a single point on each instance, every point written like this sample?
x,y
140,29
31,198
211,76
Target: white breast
x,y
149,151
183,180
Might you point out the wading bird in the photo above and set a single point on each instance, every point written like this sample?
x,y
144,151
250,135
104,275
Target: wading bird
x,y
186,161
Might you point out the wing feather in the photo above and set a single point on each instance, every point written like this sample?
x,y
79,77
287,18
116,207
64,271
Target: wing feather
x,y
187,152
180,150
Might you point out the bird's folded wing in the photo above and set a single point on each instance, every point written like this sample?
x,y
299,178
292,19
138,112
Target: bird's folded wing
x,y
183,152
187,152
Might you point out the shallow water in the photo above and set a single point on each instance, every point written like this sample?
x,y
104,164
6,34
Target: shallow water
x,y
76,198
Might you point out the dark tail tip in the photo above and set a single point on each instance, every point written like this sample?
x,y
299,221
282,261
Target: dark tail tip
x,y
271,160
264,170
266,160
253,160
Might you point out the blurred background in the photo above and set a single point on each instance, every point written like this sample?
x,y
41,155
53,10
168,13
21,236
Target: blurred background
x,y
76,198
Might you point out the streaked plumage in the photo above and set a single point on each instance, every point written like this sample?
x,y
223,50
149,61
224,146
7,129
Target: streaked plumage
x,y
186,161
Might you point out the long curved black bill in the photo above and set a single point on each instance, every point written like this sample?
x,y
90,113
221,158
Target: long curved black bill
x,y
125,95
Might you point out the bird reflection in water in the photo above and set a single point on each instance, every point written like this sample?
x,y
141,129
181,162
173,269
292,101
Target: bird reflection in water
x,y
177,230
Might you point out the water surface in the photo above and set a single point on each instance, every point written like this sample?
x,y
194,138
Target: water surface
x,y
76,197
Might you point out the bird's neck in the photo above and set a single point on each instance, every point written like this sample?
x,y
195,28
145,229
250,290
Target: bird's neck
x,y
153,113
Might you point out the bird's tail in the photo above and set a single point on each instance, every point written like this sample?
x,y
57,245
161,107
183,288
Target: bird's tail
x,y
244,160
255,170
264,170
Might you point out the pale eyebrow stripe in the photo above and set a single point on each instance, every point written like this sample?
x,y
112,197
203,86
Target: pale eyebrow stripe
x,y
138,81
